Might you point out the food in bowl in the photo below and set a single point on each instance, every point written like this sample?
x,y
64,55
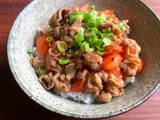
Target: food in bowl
x,y
86,55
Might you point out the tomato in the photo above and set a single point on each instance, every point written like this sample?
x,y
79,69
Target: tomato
x,y
85,8
111,61
107,12
117,72
78,86
42,46
113,49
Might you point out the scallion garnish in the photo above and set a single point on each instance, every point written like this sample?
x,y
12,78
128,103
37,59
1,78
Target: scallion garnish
x,y
50,39
30,52
61,46
64,61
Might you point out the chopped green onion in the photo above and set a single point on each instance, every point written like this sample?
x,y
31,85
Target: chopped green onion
x,y
30,52
106,42
50,39
76,16
50,29
79,37
100,20
122,26
85,46
100,52
41,69
64,61
61,46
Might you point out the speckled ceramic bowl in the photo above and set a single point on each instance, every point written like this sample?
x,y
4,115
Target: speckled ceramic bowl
x,y
145,29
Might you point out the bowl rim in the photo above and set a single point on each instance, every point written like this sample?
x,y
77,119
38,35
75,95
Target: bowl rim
x,y
139,102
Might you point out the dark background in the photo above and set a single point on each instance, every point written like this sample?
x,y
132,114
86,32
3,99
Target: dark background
x,y
15,104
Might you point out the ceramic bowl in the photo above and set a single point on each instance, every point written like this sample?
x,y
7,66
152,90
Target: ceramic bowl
x,y
145,28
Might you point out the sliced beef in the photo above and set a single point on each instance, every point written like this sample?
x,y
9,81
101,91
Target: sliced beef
x,y
92,60
113,80
81,75
36,62
94,84
61,86
46,81
114,27
103,75
59,17
68,39
114,85
104,97
70,71
51,62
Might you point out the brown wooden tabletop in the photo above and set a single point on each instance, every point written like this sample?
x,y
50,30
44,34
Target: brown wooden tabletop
x,y
15,104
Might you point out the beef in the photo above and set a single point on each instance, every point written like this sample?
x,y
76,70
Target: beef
x,y
81,75
59,17
94,85
70,71
113,26
103,75
51,62
36,61
92,60
46,81
114,85
104,97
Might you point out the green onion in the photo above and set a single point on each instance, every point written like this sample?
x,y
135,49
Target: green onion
x,y
79,37
76,16
106,42
61,46
100,20
64,61
41,69
100,52
30,52
50,39
85,47
122,26
50,29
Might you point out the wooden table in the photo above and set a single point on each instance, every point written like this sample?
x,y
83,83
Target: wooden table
x,y
15,104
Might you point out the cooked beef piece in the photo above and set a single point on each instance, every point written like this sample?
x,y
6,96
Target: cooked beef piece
x,y
114,85
56,32
75,27
132,48
61,86
51,62
114,27
113,80
92,60
70,71
46,81
115,91
68,39
104,97
129,67
36,61
81,75
59,17
94,85
103,75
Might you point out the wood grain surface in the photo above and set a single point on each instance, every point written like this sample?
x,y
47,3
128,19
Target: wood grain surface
x,y
16,105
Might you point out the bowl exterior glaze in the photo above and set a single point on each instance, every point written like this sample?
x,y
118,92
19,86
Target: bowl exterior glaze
x,y
145,28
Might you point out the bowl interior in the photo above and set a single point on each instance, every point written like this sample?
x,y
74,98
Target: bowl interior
x,y
145,29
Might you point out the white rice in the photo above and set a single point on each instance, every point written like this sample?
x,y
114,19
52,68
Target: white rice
x,y
79,97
